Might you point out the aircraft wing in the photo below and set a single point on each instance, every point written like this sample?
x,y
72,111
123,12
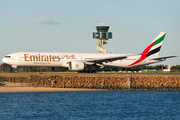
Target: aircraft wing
x,y
163,58
109,59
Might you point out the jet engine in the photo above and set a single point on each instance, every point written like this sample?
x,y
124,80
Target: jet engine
x,y
76,65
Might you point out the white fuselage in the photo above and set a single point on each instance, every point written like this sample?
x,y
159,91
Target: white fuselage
x,y
78,61
60,59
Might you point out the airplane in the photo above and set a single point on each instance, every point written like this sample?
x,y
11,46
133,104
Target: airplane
x,y
79,61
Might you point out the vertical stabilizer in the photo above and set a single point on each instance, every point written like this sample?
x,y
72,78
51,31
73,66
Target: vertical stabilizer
x,y
156,45
153,49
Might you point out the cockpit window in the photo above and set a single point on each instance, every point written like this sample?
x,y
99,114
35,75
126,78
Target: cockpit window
x,y
7,56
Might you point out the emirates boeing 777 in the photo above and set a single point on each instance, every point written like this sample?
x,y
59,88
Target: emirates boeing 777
x,y
78,61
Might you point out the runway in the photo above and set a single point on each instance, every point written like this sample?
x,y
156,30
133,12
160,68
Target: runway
x,y
111,73
74,73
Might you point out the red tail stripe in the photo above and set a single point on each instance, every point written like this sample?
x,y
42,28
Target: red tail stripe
x,y
144,54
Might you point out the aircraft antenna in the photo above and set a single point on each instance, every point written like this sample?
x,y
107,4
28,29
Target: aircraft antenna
x,y
111,47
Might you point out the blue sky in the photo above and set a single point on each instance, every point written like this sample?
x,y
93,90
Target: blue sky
x,y
67,25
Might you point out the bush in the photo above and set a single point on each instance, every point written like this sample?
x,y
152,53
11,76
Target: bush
x,y
54,76
1,79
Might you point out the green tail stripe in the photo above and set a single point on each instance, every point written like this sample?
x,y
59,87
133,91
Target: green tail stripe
x,y
159,40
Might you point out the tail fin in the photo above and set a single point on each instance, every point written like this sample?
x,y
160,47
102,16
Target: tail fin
x,y
155,46
153,49
169,67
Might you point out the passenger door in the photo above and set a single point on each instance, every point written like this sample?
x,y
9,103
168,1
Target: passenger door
x,y
20,57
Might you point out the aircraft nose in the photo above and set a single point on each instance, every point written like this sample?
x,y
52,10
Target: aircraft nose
x,y
4,60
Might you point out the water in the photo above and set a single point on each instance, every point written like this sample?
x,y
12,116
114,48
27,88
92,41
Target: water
x,y
96,105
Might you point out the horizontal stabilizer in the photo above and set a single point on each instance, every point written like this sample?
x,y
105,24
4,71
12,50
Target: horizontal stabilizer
x,y
163,58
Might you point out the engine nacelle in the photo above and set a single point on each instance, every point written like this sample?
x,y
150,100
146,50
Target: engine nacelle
x,y
76,65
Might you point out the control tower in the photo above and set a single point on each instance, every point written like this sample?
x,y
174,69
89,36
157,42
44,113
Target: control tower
x,y
102,35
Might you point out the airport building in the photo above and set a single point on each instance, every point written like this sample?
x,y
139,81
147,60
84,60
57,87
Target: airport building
x,y
102,35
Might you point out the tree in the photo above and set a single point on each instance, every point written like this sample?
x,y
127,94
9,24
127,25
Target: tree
x,y
6,68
